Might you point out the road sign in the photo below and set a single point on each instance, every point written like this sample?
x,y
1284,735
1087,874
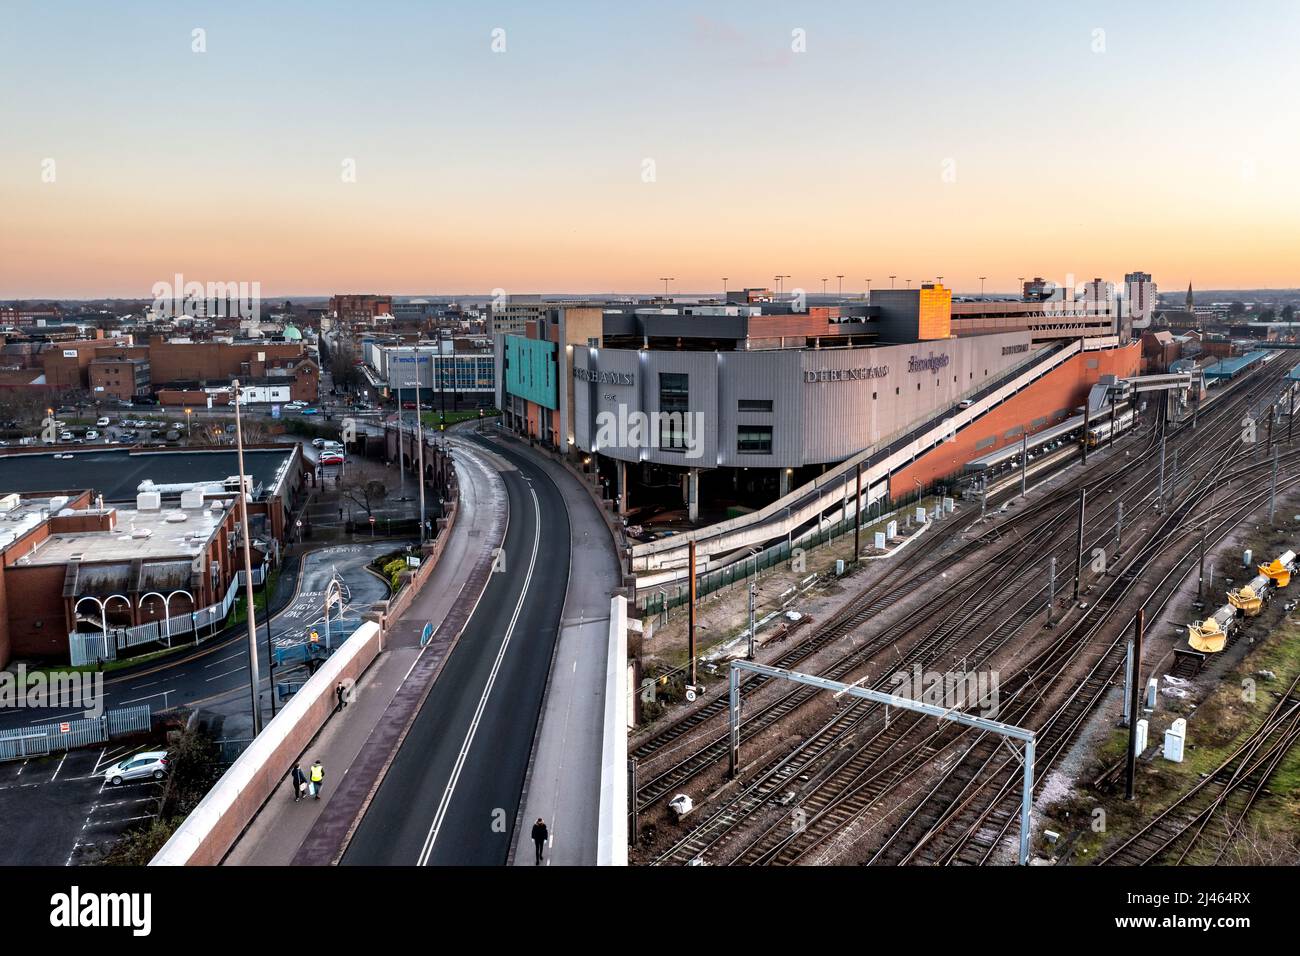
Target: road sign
x,y
690,693
275,411
65,728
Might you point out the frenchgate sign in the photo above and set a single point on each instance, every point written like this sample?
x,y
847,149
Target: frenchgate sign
x,y
931,363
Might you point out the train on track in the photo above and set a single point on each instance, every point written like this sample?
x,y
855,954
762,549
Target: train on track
x,y
1211,635
1101,431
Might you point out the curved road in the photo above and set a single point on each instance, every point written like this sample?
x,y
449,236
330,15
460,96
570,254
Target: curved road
x,y
452,792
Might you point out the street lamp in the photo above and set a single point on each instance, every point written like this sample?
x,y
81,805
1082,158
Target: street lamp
x,y
188,421
419,438
248,563
401,452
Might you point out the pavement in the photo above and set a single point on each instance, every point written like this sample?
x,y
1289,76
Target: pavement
x,y
358,737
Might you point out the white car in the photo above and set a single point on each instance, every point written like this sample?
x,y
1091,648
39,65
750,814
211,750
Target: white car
x,y
102,423
66,436
152,764
92,435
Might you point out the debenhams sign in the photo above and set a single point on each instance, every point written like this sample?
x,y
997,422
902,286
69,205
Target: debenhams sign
x,y
845,374
604,378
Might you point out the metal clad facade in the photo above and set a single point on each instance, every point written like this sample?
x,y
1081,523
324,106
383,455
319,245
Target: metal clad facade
x,y
827,404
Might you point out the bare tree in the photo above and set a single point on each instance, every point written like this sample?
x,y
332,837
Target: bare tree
x,y
365,493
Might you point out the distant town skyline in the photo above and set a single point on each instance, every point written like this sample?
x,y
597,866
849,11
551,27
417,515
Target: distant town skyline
x,y
592,150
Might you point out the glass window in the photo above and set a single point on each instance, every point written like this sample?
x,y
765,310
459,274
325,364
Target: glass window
x,y
754,439
674,406
754,405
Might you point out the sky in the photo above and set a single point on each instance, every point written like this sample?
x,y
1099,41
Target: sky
x,y
439,148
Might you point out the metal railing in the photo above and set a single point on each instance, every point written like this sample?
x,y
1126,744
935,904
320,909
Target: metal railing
x,y
676,595
92,646
45,739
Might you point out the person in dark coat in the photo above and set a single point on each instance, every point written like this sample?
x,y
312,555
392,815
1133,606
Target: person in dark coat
x,y
540,836
299,783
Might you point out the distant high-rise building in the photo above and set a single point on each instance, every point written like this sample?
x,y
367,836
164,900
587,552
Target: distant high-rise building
x,y
1037,290
1139,298
1098,296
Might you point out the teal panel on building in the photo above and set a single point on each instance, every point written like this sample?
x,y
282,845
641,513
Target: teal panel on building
x,y
531,371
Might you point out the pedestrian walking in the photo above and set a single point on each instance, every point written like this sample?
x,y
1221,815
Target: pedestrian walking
x,y
540,836
341,693
317,779
299,783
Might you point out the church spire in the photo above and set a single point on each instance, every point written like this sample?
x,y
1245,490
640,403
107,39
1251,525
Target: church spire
x,y
1191,302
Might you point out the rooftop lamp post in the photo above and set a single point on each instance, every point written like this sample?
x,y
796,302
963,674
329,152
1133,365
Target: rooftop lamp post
x,y
248,564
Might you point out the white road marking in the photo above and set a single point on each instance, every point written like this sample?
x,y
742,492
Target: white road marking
x,y
237,670
149,696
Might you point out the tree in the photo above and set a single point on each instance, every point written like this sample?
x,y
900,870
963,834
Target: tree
x,y
1237,308
365,493
1288,313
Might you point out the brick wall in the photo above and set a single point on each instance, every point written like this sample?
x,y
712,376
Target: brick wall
x,y
1061,391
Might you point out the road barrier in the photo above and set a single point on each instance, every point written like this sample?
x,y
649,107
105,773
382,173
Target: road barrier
x,y
611,839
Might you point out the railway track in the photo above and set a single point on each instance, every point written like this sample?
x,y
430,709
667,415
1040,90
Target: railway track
x,y
960,808
1216,807
853,778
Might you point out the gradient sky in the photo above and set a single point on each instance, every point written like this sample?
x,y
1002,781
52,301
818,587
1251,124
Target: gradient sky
x,y
1176,150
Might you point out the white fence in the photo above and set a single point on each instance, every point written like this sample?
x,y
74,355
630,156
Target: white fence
x,y
48,738
89,647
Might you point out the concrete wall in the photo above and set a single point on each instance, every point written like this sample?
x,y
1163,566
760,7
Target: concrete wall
x,y
611,840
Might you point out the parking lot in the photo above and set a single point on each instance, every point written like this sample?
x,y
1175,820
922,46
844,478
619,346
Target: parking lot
x,y
58,811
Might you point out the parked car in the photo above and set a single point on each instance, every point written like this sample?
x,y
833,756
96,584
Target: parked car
x,y
92,435
332,458
102,423
140,767
311,411
318,443
65,436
